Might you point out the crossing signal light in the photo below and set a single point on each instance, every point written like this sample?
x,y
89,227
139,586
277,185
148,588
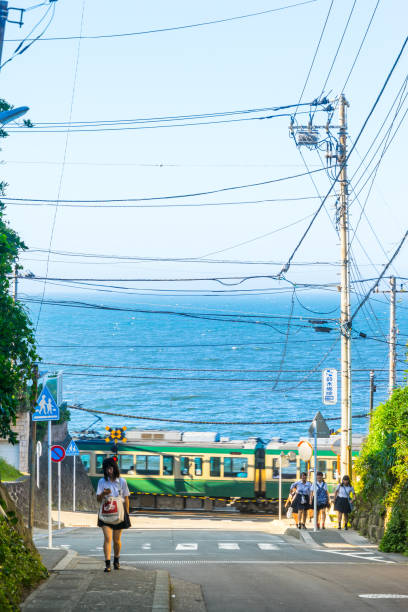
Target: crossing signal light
x,y
116,434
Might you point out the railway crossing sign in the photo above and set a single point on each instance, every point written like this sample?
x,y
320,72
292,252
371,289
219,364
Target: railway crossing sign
x,y
46,408
57,453
305,450
72,450
116,434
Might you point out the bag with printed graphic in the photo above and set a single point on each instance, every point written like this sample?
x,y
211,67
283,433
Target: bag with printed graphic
x,y
112,510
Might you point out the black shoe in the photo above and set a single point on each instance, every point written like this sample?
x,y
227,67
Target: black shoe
x,y
346,527
299,526
304,526
116,564
107,566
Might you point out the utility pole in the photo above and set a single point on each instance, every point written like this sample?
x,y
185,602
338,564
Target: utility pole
x,y
32,449
346,425
3,21
373,389
392,339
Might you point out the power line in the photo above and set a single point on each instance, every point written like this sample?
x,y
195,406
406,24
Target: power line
x,y
361,46
287,265
168,197
173,28
150,418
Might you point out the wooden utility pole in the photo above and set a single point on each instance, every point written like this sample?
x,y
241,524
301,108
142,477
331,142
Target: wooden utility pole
x,y
346,425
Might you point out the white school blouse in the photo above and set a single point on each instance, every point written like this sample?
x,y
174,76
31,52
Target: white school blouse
x,y
343,491
118,487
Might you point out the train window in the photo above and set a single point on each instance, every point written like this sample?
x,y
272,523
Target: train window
x,y
86,462
304,466
235,467
149,465
184,466
168,465
215,466
288,471
322,466
98,465
126,463
198,466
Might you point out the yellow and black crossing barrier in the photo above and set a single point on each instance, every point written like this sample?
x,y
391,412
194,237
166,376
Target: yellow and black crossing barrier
x,y
226,499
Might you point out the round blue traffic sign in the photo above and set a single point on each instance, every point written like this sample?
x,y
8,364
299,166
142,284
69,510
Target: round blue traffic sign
x,y
57,453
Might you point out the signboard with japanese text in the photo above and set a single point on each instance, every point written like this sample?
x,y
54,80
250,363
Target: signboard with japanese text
x,y
329,386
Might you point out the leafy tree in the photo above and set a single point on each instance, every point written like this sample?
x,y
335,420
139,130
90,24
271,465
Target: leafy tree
x,y
17,345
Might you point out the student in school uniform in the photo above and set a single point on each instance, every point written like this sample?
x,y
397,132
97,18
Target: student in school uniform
x,y
300,504
323,499
112,485
342,501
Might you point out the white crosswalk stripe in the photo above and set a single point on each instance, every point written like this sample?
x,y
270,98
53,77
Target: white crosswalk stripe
x,y
228,546
146,546
267,546
187,546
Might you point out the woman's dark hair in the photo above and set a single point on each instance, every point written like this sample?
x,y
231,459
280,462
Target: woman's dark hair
x,y
345,477
303,474
108,462
319,474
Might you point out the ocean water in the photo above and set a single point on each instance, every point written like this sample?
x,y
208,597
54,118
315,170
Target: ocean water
x,y
252,365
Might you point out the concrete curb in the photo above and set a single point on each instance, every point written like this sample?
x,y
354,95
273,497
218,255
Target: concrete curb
x,y
65,561
292,531
161,595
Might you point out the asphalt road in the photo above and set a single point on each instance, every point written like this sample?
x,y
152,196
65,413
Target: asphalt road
x,y
239,570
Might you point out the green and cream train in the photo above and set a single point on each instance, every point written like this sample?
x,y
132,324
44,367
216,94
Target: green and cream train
x,y
173,469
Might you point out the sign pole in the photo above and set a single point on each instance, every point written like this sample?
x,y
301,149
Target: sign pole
x,y
73,485
59,495
49,488
38,451
280,487
315,478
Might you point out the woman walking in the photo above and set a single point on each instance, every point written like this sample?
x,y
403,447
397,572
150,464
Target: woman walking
x,y
342,502
300,503
323,499
112,485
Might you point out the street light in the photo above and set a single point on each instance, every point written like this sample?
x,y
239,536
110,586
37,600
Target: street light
x,y
12,114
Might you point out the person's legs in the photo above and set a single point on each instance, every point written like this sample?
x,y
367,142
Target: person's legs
x,y
107,545
322,517
345,521
340,514
117,545
303,517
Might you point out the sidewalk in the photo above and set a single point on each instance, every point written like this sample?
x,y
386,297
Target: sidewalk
x,y
79,584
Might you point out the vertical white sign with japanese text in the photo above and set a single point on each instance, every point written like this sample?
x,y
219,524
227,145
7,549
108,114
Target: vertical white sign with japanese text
x,y
329,386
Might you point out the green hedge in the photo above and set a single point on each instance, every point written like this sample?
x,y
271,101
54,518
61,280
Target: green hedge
x,y
382,469
20,567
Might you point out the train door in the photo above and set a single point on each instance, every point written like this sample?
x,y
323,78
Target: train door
x,y
260,477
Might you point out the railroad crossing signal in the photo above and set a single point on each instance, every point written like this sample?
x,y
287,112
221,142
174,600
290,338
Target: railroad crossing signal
x,y
116,434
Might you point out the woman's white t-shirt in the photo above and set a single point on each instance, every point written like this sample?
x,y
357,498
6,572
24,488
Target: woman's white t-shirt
x,y
118,487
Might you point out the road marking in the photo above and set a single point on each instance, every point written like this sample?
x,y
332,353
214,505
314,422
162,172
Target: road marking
x,y
187,546
267,546
383,596
147,546
357,555
240,562
228,546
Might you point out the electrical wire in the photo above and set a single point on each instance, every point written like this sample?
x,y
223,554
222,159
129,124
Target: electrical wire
x,y
167,197
174,28
150,418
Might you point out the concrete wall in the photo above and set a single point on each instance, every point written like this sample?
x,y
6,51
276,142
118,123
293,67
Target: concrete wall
x,y
370,520
85,495
17,454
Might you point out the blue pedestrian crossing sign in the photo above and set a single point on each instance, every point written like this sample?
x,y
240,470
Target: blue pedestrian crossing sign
x,y
46,408
72,450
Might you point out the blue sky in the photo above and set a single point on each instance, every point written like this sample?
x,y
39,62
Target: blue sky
x,y
255,62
